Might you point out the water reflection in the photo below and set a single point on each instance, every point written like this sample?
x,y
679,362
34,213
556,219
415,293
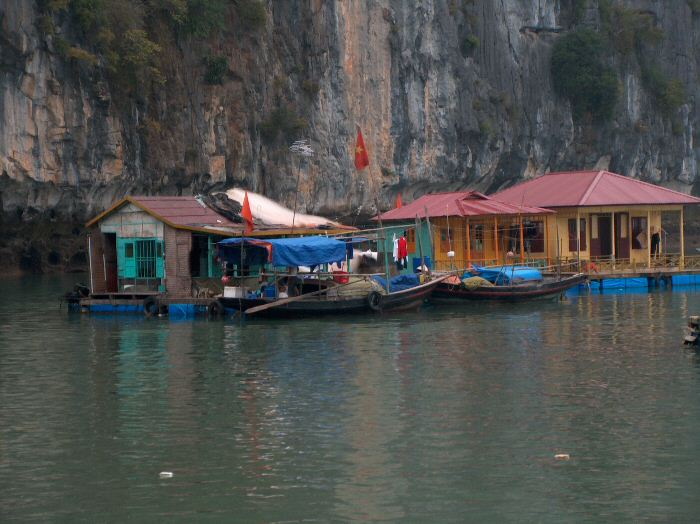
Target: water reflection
x,y
450,415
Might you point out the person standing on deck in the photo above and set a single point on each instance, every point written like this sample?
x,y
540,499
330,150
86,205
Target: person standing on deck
x,y
655,246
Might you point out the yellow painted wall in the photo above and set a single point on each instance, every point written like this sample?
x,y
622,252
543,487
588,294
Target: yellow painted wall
x,y
556,232
488,254
563,215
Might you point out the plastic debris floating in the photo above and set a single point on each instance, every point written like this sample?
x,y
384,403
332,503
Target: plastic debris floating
x,y
166,474
691,339
562,456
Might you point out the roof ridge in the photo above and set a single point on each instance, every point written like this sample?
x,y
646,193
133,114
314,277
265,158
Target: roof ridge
x,y
591,188
638,181
577,172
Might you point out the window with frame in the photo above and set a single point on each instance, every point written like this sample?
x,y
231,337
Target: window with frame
x,y
639,232
477,243
573,247
533,235
146,255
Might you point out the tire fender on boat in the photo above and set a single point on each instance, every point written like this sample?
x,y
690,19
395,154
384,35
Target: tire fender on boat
x,y
374,300
215,309
150,306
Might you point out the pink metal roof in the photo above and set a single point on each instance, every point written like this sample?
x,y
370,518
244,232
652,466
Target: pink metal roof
x,y
590,188
183,211
460,203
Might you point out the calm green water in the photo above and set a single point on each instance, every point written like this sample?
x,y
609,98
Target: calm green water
x,y
453,415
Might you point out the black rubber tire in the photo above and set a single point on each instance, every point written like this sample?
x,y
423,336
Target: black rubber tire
x,y
150,306
374,300
82,290
215,309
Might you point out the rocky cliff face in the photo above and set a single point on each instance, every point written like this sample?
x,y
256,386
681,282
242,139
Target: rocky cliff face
x,y
449,94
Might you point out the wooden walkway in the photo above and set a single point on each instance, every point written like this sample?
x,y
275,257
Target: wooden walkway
x,y
136,299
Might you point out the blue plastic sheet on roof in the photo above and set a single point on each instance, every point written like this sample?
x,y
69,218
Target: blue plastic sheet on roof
x,y
290,252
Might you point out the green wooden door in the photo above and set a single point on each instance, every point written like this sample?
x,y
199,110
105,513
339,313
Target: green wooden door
x,y
126,262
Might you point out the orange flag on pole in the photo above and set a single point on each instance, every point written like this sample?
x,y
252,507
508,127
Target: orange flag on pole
x,y
247,215
399,203
361,156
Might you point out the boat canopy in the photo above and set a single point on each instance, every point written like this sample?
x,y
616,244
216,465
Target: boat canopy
x,y
289,252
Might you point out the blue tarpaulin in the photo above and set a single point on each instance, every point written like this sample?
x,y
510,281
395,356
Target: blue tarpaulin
x,y
399,282
289,252
507,274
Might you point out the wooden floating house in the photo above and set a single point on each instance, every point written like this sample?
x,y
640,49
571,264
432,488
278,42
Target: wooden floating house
x,y
164,246
593,221
608,219
468,227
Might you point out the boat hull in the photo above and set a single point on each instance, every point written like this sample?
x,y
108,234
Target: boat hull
x,y
446,293
322,305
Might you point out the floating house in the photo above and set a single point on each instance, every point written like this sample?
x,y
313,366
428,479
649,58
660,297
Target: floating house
x,y
165,245
469,227
606,218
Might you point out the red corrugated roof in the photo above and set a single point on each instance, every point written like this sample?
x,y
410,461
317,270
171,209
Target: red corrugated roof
x,y
183,211
460,203
590,188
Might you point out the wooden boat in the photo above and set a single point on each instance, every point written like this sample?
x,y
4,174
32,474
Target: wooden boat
x,y
548,288
315,296
319,304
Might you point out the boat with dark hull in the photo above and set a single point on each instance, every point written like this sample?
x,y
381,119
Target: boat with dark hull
x,y
329,304
295,294
451,291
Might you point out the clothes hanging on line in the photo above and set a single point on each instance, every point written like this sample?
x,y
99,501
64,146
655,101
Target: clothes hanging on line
x,y
403,247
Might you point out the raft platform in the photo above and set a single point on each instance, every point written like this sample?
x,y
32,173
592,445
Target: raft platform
x,y
147,303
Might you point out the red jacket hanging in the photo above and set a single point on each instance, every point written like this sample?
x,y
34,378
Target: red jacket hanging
x,y
403,248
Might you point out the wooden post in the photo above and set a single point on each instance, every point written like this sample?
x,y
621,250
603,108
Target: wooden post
x,y
558,250
648,238
469,245
420,244
546,240
522,241
682,241
430,235
612,236
578,241
495,236
383,236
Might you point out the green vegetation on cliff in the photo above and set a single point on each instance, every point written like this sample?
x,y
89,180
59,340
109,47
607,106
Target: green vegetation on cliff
x,y
581,61
581,75
127,38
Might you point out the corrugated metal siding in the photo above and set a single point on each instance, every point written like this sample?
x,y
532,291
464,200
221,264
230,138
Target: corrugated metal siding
x,y
132,222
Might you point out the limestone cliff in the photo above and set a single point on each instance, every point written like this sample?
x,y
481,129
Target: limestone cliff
x,y
449,94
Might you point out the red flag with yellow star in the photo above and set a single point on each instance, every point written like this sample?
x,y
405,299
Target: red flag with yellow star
x,y
361,156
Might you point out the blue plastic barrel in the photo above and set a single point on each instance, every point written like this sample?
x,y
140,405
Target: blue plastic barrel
x,y
416,263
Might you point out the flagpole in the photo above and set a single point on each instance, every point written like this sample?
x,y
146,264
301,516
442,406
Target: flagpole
x,y
301,148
